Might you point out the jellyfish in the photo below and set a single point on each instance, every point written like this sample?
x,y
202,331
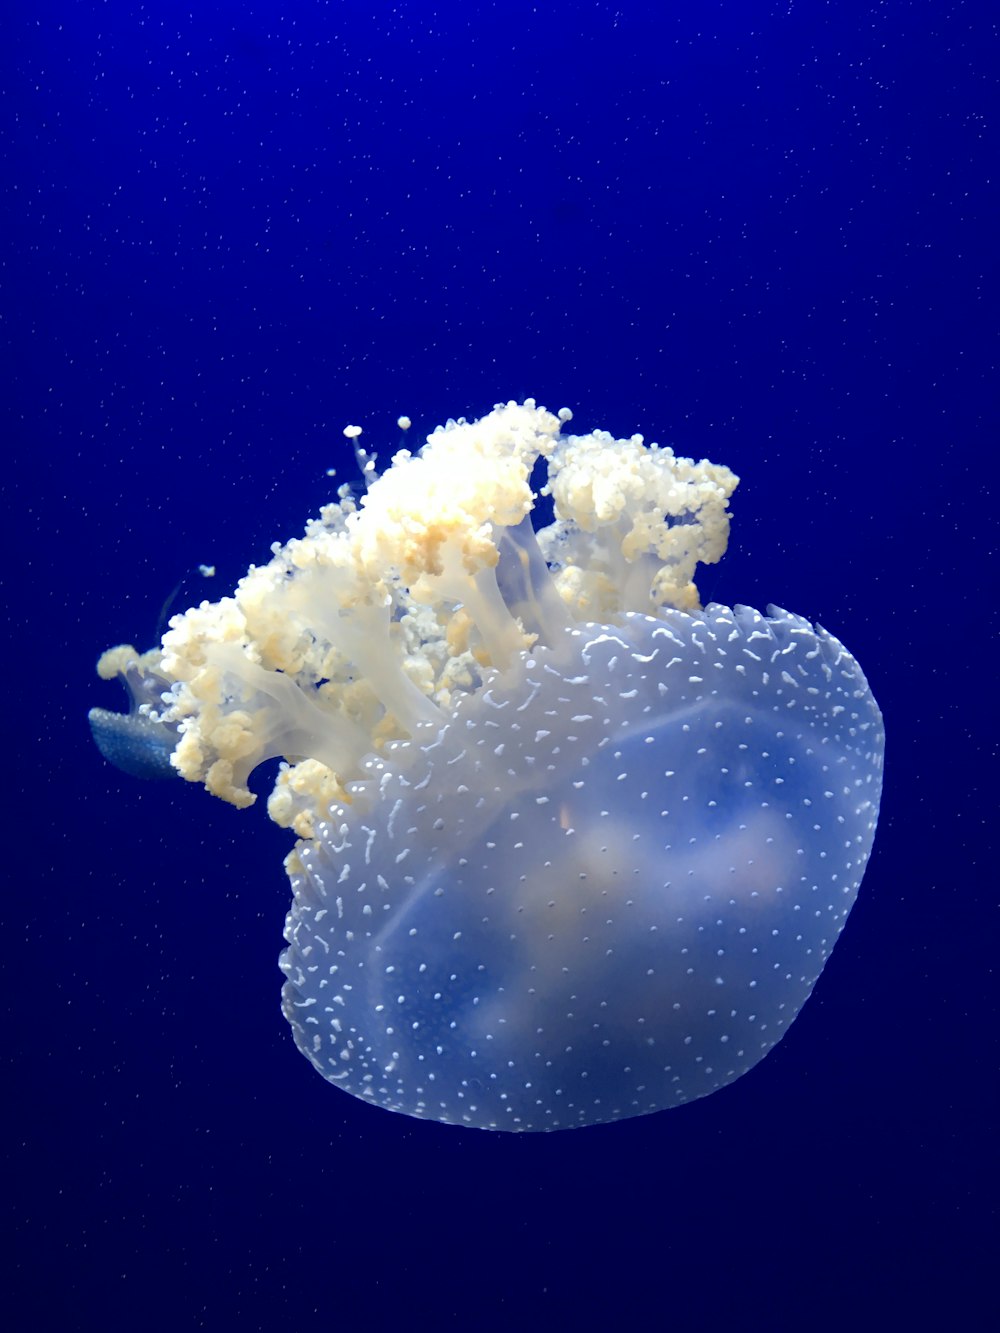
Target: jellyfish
x,y
571,848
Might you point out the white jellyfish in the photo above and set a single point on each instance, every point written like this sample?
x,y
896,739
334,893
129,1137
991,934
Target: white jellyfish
x,y
571,849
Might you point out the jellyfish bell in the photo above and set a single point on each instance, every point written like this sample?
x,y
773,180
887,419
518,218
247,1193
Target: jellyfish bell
x,y
571,848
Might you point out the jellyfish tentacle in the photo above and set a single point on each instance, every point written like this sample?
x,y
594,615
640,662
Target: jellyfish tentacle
x,y
137,741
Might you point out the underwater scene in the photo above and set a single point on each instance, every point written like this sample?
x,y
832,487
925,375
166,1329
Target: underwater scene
x,y
502,494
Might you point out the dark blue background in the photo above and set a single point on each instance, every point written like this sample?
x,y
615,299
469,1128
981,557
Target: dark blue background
x,y
761,232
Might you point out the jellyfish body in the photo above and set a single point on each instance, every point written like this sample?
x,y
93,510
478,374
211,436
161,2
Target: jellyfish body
x,y
661,829
571,849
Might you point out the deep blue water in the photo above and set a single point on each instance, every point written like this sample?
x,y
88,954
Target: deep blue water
x,y
760,232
